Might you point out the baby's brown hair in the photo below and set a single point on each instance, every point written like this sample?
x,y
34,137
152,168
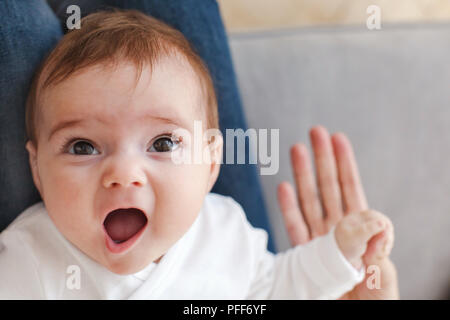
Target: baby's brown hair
x,y
108,37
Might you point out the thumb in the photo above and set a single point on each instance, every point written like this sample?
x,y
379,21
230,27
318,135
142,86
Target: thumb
x,y
380,246
374,248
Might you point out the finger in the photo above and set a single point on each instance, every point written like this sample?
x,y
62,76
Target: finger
x,y
307,191
353,195
385,246
327,176
374,245
368,229
293,220
370,214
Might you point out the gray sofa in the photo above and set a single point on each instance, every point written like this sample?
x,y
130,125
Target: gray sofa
x,y
389,90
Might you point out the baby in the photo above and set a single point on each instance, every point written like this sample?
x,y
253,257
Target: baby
x,y
119,218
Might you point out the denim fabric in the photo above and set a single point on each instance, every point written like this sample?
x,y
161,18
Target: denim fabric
x,y
29,36
28,31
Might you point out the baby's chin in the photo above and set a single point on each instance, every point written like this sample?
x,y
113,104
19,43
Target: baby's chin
x,y
129,264
134,260
150,249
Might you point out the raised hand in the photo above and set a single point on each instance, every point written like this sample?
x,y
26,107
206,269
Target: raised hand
x,y
321,201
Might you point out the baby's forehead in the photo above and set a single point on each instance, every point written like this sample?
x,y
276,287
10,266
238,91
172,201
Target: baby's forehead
x,y
167,88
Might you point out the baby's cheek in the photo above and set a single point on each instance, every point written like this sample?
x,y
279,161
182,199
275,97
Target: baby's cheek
x,y
66,187
65,194
69,205
179,198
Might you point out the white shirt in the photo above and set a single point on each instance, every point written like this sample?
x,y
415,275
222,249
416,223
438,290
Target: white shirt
x,y
221,256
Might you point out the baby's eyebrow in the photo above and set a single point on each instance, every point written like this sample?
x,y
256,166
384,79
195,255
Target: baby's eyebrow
x,y
74,122
62,125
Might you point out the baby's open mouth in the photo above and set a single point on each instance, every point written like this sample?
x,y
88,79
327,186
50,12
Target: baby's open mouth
x,y
122,224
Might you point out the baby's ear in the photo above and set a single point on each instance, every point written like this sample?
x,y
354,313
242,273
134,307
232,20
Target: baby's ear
x,y
32,157
215,144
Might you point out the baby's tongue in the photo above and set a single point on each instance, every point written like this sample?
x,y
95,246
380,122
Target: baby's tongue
x,y
122,224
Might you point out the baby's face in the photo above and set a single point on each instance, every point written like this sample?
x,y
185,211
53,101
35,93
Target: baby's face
x,y
104,144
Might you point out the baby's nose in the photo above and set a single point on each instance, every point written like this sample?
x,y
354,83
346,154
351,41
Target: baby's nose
x,y
124,173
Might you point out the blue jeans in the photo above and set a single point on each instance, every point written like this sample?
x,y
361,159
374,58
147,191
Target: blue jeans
x,y
30,29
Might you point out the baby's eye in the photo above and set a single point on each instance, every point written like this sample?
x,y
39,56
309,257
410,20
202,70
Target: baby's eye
x,y
164,144
82,148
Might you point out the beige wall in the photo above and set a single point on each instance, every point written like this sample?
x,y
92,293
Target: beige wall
x,y
249,15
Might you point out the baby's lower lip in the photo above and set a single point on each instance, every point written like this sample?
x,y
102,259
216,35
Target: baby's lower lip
x,y
116,248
